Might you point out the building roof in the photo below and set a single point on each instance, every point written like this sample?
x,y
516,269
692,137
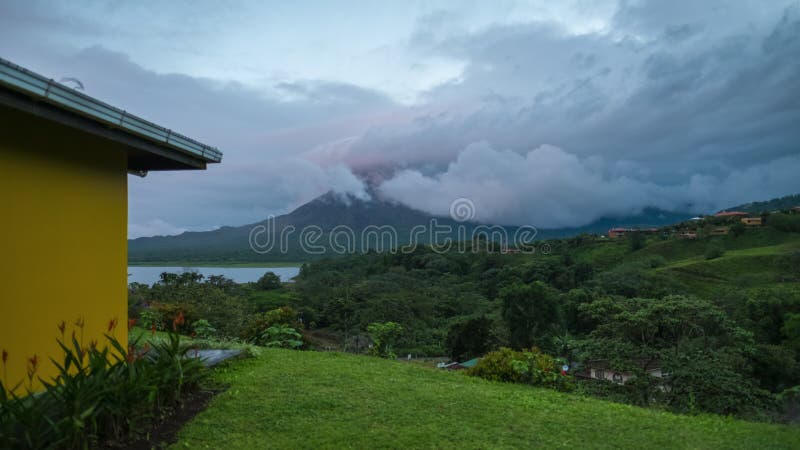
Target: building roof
x,y
152,147
471,363
730,213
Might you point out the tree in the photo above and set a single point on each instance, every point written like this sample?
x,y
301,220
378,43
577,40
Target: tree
x,y
791,331
469,338
384,338
737,229
704,353
529,310
637,240
715,249
268,281
342,316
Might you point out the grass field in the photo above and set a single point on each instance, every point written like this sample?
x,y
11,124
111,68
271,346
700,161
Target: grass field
x,y
290,399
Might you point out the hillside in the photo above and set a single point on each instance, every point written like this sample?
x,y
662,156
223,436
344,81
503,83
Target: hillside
x,y
231,244
786,202
291,399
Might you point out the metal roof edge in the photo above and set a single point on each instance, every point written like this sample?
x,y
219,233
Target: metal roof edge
x,y
39,87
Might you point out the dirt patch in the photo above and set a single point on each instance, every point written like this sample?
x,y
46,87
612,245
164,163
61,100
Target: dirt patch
x,y
164,431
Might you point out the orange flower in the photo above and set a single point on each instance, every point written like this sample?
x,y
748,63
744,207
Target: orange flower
x,y
153,329
33,365
79,323
93,344
179,320
112,324
61,327
131,323
5,356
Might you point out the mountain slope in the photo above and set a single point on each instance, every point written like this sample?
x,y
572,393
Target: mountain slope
x,y
232,244
786,202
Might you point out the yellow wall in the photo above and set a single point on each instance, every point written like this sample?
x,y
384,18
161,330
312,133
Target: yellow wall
x,y
63,226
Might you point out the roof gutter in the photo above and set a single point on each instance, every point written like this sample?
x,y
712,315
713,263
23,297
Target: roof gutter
x,y
34,85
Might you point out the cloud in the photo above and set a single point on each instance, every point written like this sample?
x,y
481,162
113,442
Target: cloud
x,y
719,97
561,113
548,187
260,135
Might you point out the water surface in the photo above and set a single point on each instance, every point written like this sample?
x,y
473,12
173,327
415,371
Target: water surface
x,y
150,275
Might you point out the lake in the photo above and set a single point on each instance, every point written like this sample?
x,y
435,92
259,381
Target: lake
x,y
150,275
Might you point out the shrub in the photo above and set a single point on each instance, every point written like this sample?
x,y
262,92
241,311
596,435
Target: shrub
x,y
789,223
384,338
258,324
203,329
637,240
100,394
281,336
737,229
714,250
152,319
656,261
497,366
531,367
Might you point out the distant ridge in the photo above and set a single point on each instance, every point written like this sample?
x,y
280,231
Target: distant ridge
x,y
230,244
786,202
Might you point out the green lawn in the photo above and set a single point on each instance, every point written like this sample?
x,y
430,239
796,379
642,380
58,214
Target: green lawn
x,y
289,399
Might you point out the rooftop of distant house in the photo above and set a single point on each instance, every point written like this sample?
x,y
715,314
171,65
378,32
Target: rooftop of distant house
x,y
730,214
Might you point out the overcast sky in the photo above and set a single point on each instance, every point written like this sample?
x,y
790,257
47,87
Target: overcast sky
x,y
543,113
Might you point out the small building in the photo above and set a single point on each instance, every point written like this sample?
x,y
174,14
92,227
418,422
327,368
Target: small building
x,y
614,233
719,231
66,158
687,235
752,221
471,363
796,210
601,370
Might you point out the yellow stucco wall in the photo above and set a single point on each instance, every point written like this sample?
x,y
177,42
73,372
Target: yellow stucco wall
x,y
63,227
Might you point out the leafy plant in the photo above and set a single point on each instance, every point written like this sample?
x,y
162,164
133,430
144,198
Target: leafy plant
x,y
384,338
203,329
99,394
256,326
152,319
281,336
531,367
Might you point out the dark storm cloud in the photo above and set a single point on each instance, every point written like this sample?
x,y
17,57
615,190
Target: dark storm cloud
x,y
676,114
681,105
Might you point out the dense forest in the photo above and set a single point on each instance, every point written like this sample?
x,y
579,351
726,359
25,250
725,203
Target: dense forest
x,y
717,315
